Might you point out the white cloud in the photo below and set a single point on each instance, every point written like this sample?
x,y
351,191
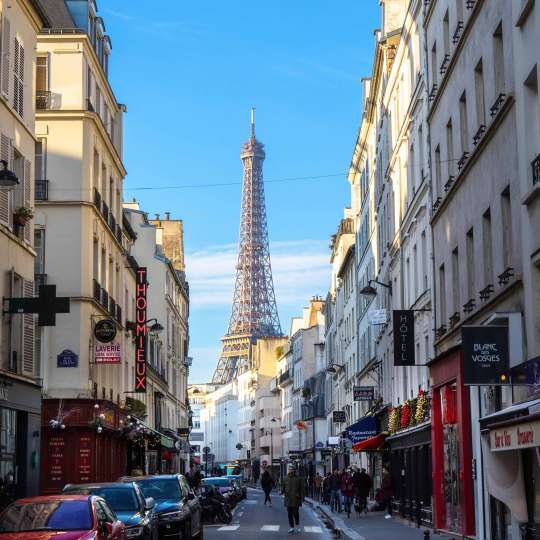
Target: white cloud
x,y
300,269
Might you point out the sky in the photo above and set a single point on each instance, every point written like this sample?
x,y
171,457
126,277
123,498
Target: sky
x,y
188,73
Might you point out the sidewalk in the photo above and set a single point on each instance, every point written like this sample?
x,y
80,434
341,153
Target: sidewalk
x,y
373,526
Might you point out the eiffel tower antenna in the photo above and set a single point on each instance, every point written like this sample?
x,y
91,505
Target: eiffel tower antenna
x,y
254,311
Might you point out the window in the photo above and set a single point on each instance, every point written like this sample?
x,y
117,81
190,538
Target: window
x,y
470,264
39,248
6,56
531,107
438,171
459,10
506,215
434,66
415,273
479,90
498,60
41,160
450,147
455,280
488,248
424,261
18,78
42,82
442,294
446,33
463,123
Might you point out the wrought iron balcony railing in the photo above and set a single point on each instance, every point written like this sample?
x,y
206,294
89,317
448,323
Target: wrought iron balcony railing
x,y
535,164
504,277
42,190
457,32
97,199
469,306
43,100
479,134
494,109
97,290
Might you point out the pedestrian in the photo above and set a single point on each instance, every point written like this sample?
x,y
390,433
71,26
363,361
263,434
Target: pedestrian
x,y
363,485
326,489
317,482
386,492
194,477
267,484
347,491
294,491
335,493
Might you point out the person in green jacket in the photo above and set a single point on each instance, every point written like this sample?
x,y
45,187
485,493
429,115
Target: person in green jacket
x,y
294,491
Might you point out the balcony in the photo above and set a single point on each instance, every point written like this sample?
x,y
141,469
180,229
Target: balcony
x,y
444,64
535,164
97,199
105,211
42,190
479,134
469,306
112,223
504,277
43,100
97,291
463,160
285,377
486,292
118,233
457,32
495,108
433,93
118,313
105,299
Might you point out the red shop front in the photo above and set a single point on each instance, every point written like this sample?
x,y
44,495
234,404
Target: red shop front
x,y
81,442
451,445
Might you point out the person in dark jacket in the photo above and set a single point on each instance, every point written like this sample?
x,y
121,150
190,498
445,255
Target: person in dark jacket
x,y
267,484
326,489
386,492
335,492
363,484
294,491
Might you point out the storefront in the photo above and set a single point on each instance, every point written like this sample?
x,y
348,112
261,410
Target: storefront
x,y
511,455
453,501
20,405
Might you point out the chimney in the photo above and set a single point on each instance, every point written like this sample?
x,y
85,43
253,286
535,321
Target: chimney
x,y
167,216
157,217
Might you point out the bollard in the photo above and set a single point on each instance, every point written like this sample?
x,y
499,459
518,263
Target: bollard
x,y
427,535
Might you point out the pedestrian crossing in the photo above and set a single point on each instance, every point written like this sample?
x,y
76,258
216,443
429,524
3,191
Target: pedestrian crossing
x,y
272,528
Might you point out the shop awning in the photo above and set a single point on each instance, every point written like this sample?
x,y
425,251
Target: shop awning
x,y
373,443
514,411
362,430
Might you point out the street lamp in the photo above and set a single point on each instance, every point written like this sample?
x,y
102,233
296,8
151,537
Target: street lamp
x,y
332,368
155,327
8,179
369,290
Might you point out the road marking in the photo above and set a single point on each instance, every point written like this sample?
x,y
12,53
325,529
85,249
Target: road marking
x,y
229,528
272,528
313,529
251,502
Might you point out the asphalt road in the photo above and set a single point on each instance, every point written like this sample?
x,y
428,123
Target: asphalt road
x,y
253,520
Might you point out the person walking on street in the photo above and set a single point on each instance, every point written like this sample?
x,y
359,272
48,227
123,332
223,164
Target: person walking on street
x,y
317,482
267,484
363,484
347,491
335,493
294,491
326,489
386,492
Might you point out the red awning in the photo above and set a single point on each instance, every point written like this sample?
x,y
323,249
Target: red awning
x,y
373,443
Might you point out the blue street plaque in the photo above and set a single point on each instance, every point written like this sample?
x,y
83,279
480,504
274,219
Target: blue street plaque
x,y
67,358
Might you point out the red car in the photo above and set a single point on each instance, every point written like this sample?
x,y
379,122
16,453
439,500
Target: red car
x,y
60,517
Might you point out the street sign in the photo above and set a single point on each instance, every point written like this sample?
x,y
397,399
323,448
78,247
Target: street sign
x,y
46,305
485,355
363,393
403,337
66,359
377,316
105,330
339,417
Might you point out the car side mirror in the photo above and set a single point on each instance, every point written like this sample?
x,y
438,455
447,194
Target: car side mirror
x,y
149,503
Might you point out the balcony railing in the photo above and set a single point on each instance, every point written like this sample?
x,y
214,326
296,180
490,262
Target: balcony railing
x,y
39,279
97,291
494,109
105,211
285,376
42,190
118,314
105,299
97,199
43,100
118,233
535,164
457,32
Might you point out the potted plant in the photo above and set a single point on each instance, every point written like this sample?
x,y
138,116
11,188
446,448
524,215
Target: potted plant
x,y
22,215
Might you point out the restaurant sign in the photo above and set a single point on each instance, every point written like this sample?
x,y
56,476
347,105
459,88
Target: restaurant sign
x,y
141,337
526,435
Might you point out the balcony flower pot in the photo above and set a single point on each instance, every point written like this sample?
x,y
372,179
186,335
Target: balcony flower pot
x,y
22,216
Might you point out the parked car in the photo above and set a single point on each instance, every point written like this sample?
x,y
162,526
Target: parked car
x,y
239,479
61,517
127,500
226,487
178,509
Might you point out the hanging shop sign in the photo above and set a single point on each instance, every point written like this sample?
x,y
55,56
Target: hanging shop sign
x,y
377,316
485,355
525,435
363,393
67,358
141,337
403,337
105,330
339,417
361,430
108,353
333,441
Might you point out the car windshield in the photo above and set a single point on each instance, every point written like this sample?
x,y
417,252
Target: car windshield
x,y
47,515
120,499
161,488
220,482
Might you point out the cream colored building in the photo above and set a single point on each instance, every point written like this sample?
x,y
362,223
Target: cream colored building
x,y
20,22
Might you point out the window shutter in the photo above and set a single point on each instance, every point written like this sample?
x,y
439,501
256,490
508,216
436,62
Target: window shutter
x,y
28,334
27,198
18,77
5,196
6,40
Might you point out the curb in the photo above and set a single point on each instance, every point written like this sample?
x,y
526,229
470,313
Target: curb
x,y
337,526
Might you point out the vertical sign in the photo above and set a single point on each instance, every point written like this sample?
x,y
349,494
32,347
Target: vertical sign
x,y
485,355
403,338
141,337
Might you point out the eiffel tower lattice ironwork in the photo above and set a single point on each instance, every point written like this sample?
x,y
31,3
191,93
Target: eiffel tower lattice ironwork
x,y
254,311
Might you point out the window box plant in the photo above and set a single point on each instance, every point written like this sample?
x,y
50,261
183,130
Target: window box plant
x,y
22,215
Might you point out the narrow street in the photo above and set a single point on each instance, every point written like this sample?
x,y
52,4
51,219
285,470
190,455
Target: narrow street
x,y
253,520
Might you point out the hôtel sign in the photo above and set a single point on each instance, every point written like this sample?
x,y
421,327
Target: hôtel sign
x,y
141,336
526,435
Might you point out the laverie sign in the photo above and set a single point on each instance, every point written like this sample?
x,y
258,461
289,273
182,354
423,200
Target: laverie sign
x,y
526,435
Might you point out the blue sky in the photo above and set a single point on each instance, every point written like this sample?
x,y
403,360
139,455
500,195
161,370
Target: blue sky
x,y
189,73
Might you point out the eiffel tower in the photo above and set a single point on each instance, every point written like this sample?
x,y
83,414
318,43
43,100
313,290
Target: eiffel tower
x,y
254,312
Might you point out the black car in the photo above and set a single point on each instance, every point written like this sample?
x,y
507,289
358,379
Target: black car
x,y
128,502
178,509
